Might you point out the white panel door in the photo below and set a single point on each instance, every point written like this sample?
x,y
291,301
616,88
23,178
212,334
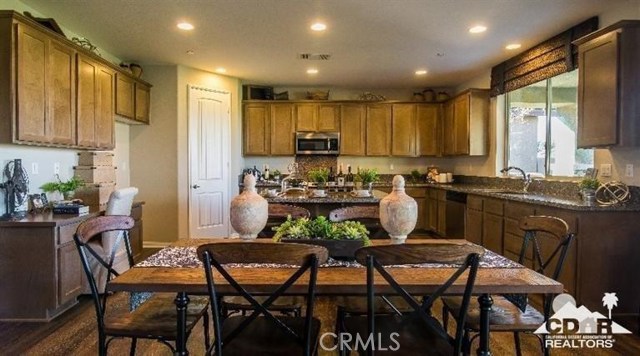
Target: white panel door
x,y
209,131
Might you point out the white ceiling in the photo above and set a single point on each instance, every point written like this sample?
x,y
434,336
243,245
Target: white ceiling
x,y
373,43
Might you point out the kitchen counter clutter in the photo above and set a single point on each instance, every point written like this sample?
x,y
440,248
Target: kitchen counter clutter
x,y
330,198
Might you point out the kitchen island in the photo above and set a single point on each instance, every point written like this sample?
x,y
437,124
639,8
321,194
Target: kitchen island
x,y
318,206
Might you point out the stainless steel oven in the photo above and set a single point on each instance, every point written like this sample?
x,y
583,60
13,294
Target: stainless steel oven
x,y
317,143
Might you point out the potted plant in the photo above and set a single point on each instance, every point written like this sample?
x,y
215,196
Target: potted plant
x,y
588,188
342,239
67,188
320,176
276,175
415,176
368,176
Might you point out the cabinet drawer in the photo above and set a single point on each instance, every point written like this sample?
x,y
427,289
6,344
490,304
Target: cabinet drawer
x,y
494,206
416,192
474,202
136,212
518,210
513,244
66,232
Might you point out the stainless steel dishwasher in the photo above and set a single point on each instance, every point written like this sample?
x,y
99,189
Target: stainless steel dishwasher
x,y
455,220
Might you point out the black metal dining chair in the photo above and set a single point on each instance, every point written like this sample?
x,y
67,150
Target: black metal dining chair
x,y
262,332
417,332
156,318
505,316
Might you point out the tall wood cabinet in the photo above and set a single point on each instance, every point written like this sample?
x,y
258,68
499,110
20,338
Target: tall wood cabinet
x,y
378,130
55,93
404,133
465,125
318,117
609,86
283,130
256,130
353,130
95,104
428,129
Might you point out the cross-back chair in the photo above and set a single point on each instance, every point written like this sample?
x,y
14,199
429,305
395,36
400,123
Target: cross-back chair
x,y
262,332
155,318
418,333
505,316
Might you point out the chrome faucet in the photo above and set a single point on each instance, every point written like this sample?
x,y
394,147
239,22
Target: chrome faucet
x,y
526,177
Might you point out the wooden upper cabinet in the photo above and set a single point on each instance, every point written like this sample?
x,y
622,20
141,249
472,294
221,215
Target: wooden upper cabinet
x,y
352,129
428,140
306,117
125,96
142,101
317,117
378,130
95,120
465,124
257,130
403,141
46,90
608,88
283,129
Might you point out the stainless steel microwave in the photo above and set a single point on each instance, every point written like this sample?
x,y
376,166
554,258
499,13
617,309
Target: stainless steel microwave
x,y
317,143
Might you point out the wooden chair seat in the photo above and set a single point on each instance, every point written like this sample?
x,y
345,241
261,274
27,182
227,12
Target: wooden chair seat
x,y
262,337
156,316
414,336
282,304
504,316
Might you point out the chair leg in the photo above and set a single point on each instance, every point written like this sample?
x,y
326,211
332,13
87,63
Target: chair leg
x,y
132,351
205,321
545,349
516,339
102,345
339,330
445,317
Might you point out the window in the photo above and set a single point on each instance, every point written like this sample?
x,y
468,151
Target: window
x,y
542,124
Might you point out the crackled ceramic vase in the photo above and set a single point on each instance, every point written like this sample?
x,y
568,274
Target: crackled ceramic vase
x,y
398,212
249,211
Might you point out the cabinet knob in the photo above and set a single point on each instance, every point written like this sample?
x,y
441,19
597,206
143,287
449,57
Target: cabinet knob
x,y
195,186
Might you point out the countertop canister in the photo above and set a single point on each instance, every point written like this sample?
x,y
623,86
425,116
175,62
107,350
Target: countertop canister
x,y
249,211
398,212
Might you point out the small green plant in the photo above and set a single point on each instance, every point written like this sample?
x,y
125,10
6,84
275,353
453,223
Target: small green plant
x,y
275,172
62,187
319,175
589,183
416,175
321,228
369,175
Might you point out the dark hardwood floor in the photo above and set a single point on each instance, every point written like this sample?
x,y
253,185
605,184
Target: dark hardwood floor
x,y
75,333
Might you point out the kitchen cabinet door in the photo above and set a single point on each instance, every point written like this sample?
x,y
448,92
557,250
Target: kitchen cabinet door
x,y
142,101
283,129
31,58
257,130
352,129
461,125
473,226
428,139
328,118
61,94
125,96
432,214
95,105
403,140
378,130
448,134
69,273
306,117
492,231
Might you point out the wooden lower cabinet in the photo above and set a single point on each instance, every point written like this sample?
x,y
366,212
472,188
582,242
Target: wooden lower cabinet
x,y
40,270
436,211
473,227
492,231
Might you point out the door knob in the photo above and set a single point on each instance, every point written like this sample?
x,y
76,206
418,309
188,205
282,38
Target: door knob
x,y
195,186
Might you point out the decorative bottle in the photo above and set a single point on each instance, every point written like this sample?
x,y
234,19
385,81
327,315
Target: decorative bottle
x,y
398,212
249,211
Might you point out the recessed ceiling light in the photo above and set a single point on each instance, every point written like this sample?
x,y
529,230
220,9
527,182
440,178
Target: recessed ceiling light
x,y
221,70
185,26
190,52
318,26
478,29
312,71
421,72
512,46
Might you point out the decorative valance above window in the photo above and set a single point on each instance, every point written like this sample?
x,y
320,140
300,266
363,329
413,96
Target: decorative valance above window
x,y
547,59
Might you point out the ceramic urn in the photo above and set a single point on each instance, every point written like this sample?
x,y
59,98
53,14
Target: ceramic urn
x,y
398,212
249,211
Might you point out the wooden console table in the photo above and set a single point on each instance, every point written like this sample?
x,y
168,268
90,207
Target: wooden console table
x,y
40,271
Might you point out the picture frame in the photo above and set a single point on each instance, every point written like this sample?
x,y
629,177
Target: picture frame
x,y
37,203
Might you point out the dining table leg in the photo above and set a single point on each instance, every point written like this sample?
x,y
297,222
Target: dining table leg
x,y
181,301
485,302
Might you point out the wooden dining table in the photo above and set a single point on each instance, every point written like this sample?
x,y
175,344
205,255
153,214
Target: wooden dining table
x,y
331,282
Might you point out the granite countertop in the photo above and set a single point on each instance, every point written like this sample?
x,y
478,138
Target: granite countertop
x,y
331,198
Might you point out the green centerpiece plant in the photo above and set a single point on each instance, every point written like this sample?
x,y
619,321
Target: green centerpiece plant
x,y
368,176
588,188
320,176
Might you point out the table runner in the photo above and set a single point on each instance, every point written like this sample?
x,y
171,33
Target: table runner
x,y
185,257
